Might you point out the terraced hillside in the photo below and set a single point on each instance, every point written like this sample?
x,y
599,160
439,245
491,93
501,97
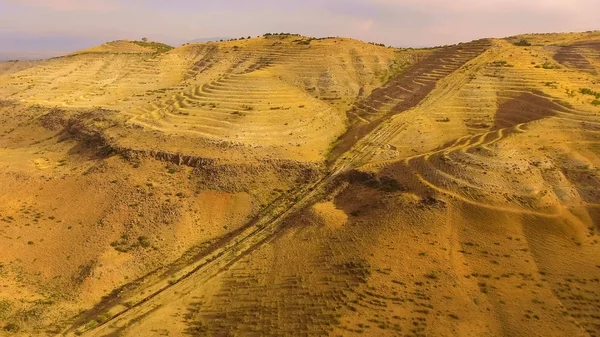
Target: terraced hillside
x,y
285,185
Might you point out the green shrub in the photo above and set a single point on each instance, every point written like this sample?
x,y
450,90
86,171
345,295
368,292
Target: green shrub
x,y
588,91
501,64
157,46
144,242
522,43
547,65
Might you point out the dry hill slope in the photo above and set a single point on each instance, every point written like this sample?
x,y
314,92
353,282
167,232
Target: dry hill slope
x,y
289,186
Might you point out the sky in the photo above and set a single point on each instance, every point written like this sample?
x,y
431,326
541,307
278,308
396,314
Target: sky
x,y
56,26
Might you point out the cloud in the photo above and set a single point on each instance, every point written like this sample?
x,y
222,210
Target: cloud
x,y
393,22
67,5
484,5
433,22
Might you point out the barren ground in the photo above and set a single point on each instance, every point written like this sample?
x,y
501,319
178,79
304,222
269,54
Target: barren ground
x,y
283,186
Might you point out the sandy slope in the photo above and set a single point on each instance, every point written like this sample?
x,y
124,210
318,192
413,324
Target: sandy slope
x,y
274,186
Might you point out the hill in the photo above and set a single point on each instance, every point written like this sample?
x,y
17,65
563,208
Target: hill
x,y
209,39
127,47
286,185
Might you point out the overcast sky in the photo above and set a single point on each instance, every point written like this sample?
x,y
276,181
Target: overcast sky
x,y
77,23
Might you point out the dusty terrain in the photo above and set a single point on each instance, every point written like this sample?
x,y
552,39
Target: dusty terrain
x,y
288,186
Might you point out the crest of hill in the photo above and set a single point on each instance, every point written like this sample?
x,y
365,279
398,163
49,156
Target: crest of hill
x,y
276,39
556,39
127,47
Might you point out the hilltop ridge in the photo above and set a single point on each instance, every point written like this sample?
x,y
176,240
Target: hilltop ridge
x,y
125,46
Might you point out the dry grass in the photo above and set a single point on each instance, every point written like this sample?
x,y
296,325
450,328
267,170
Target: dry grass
x,y
289,186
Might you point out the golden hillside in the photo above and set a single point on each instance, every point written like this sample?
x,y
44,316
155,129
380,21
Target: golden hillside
x,y
290,186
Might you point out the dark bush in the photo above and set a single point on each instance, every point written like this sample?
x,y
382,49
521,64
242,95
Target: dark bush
x,y
522,43
588,91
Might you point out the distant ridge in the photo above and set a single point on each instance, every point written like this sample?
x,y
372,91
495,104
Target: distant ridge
x,y
208,39
29,55
128,47
23,46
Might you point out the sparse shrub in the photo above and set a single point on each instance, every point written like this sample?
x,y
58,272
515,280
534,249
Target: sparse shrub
x,y
590,92
596,102
522,43
103,318
548,65
303,41
279,35
432,276
122,245
157,46
144,242
483,287
4,309
501,64
90,325
12,327
171,168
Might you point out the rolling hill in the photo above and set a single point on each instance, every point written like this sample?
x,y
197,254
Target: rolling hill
x,y
292,186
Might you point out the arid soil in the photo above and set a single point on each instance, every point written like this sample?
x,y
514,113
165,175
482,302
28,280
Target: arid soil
x,y
287,186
